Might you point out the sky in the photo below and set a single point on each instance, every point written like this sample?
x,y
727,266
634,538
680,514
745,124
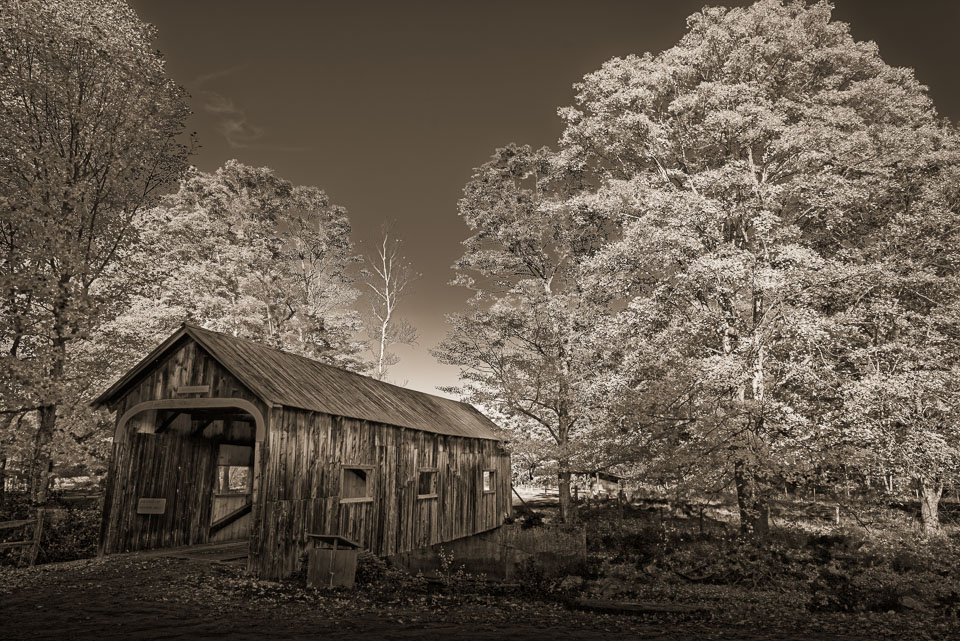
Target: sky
x,y
388,106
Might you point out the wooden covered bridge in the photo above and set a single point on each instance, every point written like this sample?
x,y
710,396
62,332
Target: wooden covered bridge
x,y
220,438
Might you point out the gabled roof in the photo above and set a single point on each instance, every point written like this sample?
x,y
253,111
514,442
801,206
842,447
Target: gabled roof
x,y
281,378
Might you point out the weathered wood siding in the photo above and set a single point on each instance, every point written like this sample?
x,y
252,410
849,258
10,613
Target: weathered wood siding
x,y
224,504
168,466
175,465
301,492
296,487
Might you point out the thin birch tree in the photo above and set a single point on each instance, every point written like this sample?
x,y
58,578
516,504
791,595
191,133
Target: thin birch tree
x,y
387,285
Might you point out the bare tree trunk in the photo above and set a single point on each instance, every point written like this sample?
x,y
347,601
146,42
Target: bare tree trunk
x,y
383,346
567,509
567,514
40,473
3,480
930,493
754,510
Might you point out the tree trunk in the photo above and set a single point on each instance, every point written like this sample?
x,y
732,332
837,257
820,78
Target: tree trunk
x,y
567,514
930,493
40,472
754,510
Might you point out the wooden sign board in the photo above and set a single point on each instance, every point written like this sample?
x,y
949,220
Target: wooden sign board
x,y
151,506
193,389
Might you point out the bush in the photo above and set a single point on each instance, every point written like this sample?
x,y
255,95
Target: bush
x,y
916,578
370,568
531,579
531,519
70,533
735,561
837,589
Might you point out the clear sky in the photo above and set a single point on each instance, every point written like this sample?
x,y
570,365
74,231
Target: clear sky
x,y
388,106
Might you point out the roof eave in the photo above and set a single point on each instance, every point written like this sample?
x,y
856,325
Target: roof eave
x,y
108,395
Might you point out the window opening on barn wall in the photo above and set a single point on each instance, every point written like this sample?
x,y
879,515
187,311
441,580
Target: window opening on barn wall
x,y
356,483
427,483
489,479
234,469
233,479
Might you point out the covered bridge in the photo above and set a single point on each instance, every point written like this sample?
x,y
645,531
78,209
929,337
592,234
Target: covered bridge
x,y
222,438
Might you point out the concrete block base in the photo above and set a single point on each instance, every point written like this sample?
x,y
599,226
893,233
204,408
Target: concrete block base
x,y
497,553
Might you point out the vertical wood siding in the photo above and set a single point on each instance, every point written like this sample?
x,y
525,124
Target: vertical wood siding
x,y
173,465
297,476
302,477
168,466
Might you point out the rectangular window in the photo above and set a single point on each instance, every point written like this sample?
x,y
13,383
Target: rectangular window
x,y
489,481
427,483
233,479
356,484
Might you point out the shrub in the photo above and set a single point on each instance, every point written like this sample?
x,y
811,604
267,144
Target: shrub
x,y
70,533
370,568
531,578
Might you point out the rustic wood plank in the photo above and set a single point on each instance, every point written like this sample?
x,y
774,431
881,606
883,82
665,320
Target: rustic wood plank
x,y
6,525
192,389
12,544
296,482
230,518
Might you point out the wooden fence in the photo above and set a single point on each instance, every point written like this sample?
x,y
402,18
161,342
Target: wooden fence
x,y
31,547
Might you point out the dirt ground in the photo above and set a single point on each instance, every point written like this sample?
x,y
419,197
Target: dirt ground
x,y
134,597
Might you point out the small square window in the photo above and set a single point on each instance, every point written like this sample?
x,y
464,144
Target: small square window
x,y
489,481
233,479
427,483
356,484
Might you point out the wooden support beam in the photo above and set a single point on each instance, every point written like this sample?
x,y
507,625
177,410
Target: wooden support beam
x,y
167,422
195,406
203,425
193,389
223,441
226,520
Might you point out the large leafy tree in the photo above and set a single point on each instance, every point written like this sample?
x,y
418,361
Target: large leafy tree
x,y
520,345
752,169
90,135
902,339
243,251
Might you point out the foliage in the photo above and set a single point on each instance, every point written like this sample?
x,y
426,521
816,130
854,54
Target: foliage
x,y
370,568
834,571
884,586
453,578
245,252
70,529
519,346
91,126
71,533
766,178
740,265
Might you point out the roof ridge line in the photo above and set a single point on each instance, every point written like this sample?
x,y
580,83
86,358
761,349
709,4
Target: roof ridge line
x,y
314,361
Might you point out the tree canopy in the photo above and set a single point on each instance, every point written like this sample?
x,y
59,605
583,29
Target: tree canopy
x,y
92,130
737,225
